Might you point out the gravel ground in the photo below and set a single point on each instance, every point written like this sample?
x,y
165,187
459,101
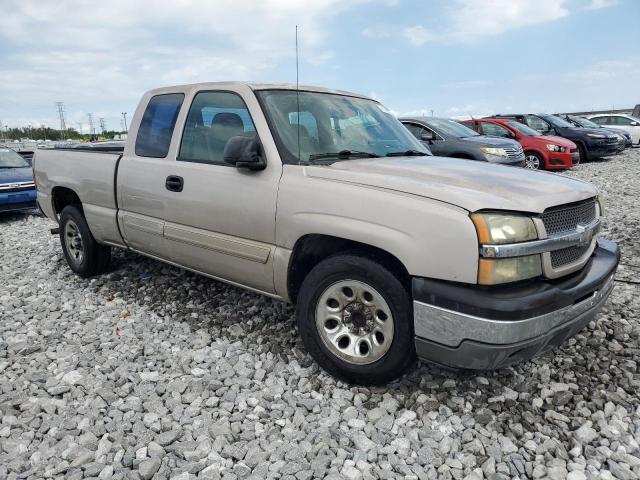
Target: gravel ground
x,y
152,372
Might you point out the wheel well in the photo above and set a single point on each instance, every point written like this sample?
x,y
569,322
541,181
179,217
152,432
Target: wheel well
x,y
62,197
311,249
466,156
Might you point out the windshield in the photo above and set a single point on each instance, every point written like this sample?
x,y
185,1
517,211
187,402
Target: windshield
x,y
556,121
585,123
333,127
10,159
524,129
451,128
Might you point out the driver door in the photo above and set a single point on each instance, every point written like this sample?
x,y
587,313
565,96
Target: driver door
x,y
222,220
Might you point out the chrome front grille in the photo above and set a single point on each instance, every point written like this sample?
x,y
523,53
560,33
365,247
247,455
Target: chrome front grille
x,y
566,218
514,152
17,186
563,220
567,256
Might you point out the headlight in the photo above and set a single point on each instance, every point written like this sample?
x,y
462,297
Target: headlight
x,y
554,148
596,135
498,229
504,270
498,152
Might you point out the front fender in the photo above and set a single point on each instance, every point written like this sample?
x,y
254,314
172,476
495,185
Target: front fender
x,y
430,238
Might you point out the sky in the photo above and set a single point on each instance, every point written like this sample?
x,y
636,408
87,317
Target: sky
x,y
455,57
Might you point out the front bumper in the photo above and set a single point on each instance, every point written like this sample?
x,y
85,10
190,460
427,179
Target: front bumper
x,y
601,149
469,326
562,160
16,201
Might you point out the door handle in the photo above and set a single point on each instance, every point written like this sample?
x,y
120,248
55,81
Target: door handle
x,y
174,183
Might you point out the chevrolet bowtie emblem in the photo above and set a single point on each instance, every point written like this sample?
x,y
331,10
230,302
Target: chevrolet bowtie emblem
x,y
585,235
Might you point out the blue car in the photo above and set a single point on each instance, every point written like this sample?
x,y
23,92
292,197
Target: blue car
x,y
17,189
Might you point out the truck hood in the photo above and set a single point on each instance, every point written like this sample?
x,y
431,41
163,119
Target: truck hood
x,y
15,175
465,183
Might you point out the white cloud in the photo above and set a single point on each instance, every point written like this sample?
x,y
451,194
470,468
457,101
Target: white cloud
x,y
470,20
418,35
598,4
104,55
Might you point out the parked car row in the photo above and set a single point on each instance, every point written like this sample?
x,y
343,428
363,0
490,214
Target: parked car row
x,y
535,141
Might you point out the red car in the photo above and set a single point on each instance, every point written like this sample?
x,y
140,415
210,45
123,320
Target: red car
x,y
540,151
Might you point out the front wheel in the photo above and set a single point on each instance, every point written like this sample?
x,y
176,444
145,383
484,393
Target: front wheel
x,y
85,256
355,319
533,161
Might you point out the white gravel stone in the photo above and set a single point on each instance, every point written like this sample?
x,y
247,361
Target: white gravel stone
x,y
149,371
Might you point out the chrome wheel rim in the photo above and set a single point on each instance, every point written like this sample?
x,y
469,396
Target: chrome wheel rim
x,y
354,322
532,162
73,241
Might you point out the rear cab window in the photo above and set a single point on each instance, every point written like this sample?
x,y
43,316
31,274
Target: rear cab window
x,y
157,124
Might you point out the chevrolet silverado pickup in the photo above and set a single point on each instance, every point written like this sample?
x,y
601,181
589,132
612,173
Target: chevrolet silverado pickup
x,y
324,199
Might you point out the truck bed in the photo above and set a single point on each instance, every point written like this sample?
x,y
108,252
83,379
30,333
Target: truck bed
x,y
91,175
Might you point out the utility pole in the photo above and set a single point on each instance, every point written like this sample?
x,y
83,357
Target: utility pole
x,y
432,112
124,117
91,128
102,127
63,124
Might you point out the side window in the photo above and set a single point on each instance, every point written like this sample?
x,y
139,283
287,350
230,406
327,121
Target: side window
x,y
623,121
416,130
473,125
214,118
600,120
536,123
495,130
156,127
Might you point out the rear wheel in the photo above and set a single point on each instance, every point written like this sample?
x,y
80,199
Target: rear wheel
x,y
355,319
85,256
533,161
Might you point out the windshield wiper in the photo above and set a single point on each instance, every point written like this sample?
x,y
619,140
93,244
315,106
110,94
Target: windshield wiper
x,y
343,155
408,153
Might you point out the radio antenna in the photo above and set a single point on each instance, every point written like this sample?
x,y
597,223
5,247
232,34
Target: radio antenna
x,y
298,96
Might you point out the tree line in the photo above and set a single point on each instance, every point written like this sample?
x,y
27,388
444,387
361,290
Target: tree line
x,y
47,133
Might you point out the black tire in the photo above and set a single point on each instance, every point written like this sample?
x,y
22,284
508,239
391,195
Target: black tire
x,y
535,157
582,157
354,267
94,258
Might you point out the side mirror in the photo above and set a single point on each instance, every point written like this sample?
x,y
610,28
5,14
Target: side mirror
x,y
244,152
427,136
634,124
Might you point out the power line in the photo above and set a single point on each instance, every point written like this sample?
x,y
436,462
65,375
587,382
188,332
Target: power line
x,y
63,124
91,127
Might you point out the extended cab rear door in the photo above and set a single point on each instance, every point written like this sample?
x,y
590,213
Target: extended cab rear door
x,y
147,162
222,220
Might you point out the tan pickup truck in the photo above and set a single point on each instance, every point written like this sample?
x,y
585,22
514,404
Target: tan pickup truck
x,y
323,198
